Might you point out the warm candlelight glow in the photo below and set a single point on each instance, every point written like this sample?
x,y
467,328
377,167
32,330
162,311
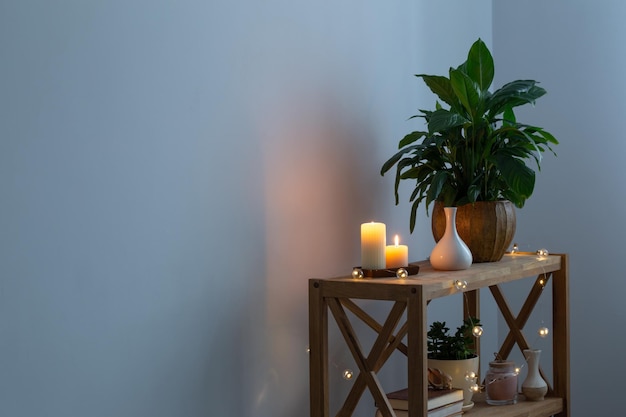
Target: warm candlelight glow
x,y
397,255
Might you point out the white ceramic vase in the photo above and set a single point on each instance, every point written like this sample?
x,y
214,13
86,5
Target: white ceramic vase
x,y
534,387
450,253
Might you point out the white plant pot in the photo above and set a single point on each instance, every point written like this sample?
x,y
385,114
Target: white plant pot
x,y
458,369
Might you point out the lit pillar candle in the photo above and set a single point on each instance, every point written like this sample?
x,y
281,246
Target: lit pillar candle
x,y
397,255
373,242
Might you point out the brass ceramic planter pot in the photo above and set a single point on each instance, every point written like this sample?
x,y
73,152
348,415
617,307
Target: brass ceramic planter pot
x,y
486,227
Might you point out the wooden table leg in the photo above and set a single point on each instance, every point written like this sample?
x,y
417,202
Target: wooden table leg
x,y
560,342
417,353
318,351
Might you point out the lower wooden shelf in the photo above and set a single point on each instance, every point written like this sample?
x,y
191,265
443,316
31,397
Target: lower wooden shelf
x,y
545,408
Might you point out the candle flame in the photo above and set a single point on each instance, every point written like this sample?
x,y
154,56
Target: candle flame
x,y
397,240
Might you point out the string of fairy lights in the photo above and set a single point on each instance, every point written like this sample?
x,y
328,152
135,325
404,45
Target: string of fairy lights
x,y
477,330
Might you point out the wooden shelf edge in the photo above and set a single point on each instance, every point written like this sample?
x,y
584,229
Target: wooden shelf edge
x,y
548,407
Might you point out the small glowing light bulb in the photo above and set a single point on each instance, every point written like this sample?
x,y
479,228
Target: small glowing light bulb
x,y
401,273
308,349
475,387
470,376
357,273
542,252
460,285
477,331
543,331
515,248
348,374
542,282
518,370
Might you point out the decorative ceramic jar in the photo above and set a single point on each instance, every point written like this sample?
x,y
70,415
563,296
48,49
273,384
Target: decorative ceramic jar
x,y
501,383
450,253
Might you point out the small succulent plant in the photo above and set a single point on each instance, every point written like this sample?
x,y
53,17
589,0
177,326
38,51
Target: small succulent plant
x,y
444,345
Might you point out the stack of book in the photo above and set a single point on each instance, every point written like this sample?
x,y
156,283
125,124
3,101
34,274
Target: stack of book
x,y
441,403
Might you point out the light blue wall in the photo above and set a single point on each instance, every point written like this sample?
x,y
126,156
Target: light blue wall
x,y
576,49
171,173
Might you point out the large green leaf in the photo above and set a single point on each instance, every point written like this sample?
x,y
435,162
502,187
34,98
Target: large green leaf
x,y
547,136
479,65
467,91
415,172
517,175
443,120
395,158
411,138
513,94
441,87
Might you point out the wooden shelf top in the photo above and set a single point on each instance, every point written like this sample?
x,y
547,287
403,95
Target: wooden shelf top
x,y
436,284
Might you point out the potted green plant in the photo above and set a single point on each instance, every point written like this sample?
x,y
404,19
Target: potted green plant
x,y
473,151
454,354
442,344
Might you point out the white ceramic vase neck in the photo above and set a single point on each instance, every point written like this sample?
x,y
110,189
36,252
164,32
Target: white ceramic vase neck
x,y
450,253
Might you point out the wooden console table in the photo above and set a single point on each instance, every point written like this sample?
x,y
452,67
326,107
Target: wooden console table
x,y
412,295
